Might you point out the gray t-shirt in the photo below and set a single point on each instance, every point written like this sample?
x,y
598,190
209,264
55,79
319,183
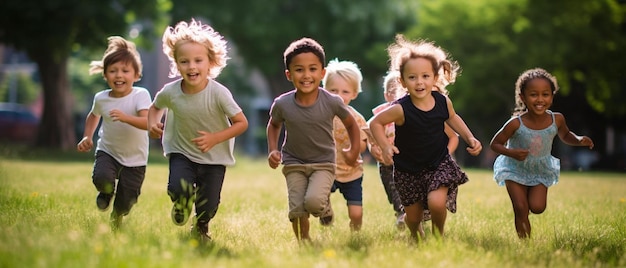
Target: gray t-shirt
x,y
308,129
207,110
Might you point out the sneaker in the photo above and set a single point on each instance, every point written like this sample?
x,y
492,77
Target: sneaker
x,y
400,224
180,213
103,201
116,220
201,232
327,219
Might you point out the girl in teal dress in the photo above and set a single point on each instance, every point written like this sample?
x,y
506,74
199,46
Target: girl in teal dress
x,y
525,165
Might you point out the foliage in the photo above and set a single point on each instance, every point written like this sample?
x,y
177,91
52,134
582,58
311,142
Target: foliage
x,y
45,201
261,30
581,42
25,88
48,31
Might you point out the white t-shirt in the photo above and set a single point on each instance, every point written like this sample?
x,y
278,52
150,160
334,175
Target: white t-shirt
x,y
208,110
126,143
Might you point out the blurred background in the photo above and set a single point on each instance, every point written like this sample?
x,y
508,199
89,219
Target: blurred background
x,y
46,47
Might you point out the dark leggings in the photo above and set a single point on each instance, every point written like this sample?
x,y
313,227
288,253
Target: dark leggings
x,y
199,182
107,170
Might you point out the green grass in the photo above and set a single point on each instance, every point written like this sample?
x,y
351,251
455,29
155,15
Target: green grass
x,y
49,219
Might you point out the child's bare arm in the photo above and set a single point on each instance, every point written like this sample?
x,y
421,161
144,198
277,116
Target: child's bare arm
x,y
354,132
140,121
502,136
273,132
568,137
155,127
91,123
206,140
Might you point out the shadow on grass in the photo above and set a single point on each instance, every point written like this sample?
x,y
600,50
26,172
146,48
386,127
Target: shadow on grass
x,y
207,248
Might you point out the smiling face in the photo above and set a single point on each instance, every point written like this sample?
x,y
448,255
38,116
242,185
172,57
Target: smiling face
x,y
121,76
192,61
537,95
341,87
418,77
305,72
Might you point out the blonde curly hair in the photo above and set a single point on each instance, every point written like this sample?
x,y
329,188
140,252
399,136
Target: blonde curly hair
x,y
196,32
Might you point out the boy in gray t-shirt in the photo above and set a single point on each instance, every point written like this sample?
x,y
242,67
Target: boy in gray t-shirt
x,y
308,152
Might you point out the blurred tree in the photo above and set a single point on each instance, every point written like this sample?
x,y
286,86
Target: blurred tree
x,y
581,42
261,30
48,31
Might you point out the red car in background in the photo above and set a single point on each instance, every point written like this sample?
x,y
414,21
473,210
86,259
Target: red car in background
x,y
17,123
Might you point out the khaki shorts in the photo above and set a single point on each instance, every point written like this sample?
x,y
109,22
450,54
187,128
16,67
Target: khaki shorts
x,y
308,187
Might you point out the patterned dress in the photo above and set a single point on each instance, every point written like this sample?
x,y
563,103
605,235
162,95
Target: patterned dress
x,y
539,167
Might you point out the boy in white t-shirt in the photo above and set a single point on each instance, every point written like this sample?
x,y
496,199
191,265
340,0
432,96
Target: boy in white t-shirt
x,y
122,150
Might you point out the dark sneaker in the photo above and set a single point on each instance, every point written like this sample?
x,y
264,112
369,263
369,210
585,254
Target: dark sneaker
x,y
180,213
103,201
201,232
327,218
116,220
400,224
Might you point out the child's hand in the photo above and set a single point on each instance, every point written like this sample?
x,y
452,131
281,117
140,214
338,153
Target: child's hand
x,y
85,144
388,155
518,154
205,142
274,159
376,152
474,147
586,141
117,115
352,158
156,130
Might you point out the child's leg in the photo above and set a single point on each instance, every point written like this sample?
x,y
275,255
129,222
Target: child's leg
x,y
386,176
355,212
537,198
180,187
301,228
519,199
437,206
128,189
208,191
413,219
297,183
317,196
105,171
353,193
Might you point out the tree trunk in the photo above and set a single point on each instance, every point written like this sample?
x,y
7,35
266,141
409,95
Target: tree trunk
x,y
56,129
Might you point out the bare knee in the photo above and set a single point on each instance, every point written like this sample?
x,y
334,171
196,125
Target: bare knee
x,y
537,209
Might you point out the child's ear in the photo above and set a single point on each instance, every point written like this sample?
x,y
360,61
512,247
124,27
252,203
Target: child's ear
x,y
288,75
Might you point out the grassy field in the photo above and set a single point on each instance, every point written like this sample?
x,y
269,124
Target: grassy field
x,y
49,219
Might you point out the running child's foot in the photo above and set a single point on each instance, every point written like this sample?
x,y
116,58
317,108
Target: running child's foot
x,y
180,213
201,232
327,218
103,201
400,224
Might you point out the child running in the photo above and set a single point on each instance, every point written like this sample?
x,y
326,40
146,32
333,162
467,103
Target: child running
x,y
425,174
308,151
201,123
393,90
524,143
344,78
122,150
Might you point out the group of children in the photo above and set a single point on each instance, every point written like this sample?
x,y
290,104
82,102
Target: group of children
x,y
412,136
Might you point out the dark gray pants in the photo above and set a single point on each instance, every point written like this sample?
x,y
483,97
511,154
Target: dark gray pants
x,y
200,182
106,170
